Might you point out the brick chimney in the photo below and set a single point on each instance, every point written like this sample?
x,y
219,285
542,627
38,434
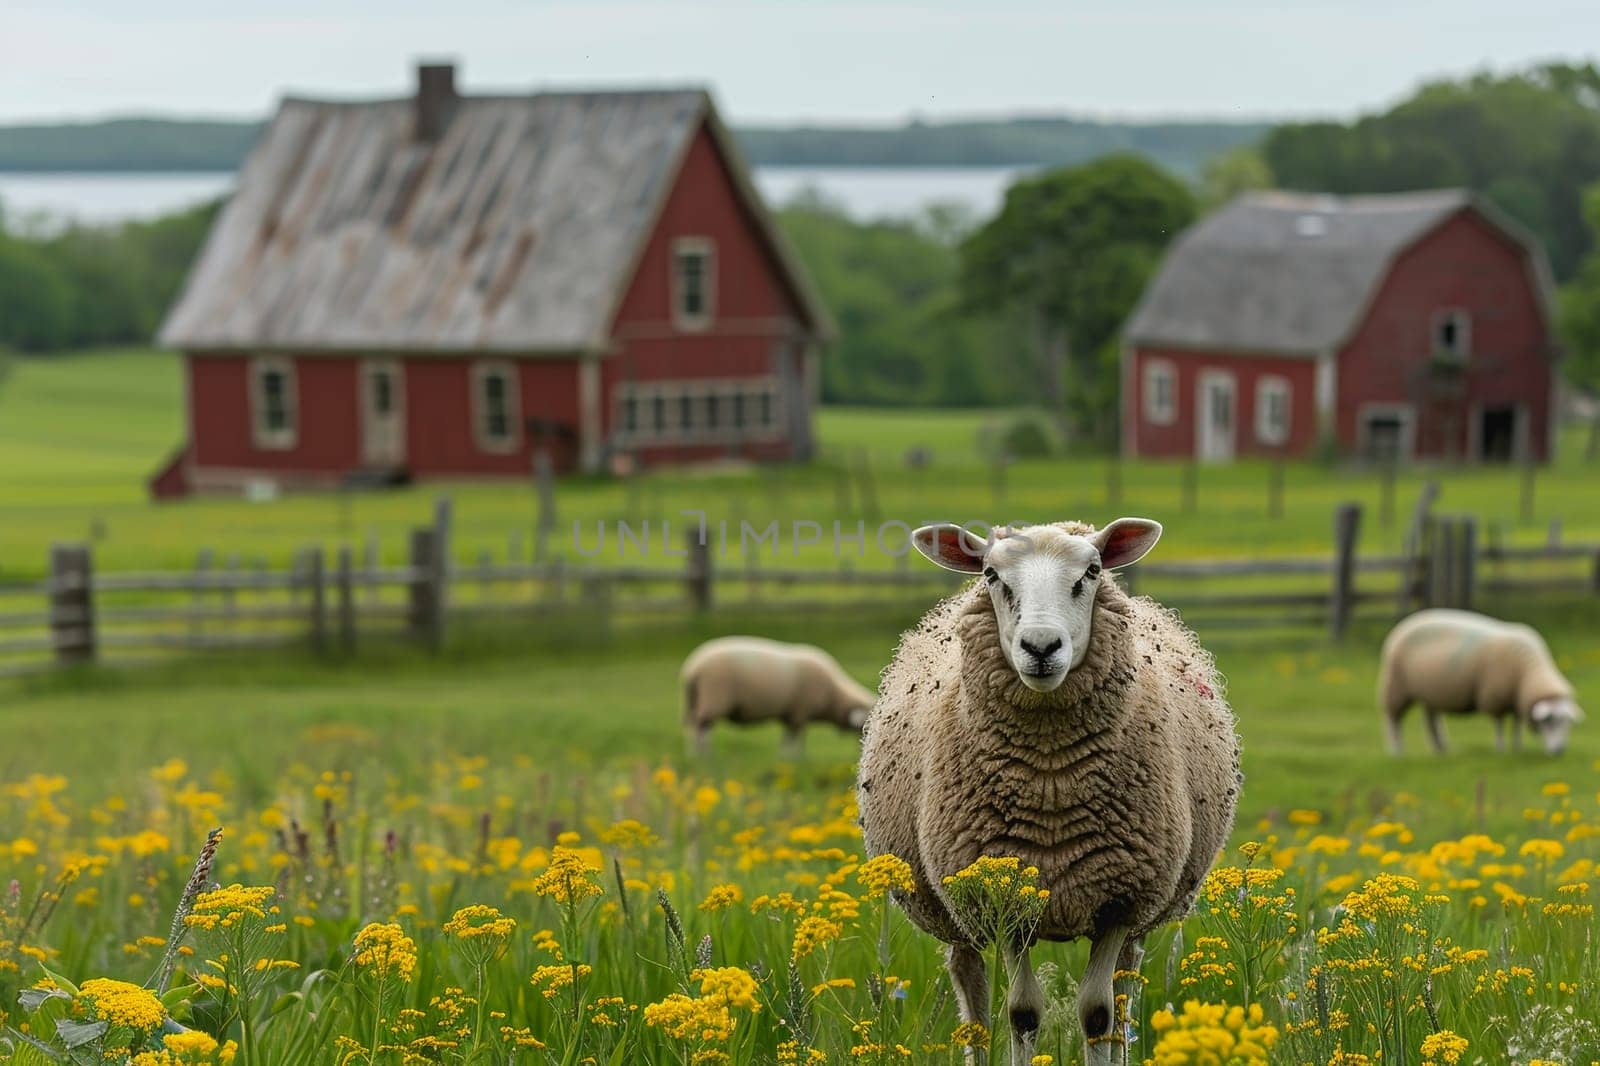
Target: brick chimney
x,y
436,99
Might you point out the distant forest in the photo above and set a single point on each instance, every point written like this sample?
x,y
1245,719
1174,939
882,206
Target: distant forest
x,y
179,145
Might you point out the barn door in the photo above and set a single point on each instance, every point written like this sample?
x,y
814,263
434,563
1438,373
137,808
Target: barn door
x,y
383,422
1216,417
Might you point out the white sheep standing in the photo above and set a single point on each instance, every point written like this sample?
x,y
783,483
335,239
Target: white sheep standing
x,y
752,679
1457,662
1045,714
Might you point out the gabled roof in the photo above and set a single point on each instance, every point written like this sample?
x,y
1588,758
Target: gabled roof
x,y
1293,273
516,231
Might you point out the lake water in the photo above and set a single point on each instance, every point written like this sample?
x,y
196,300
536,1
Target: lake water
x,y
46,201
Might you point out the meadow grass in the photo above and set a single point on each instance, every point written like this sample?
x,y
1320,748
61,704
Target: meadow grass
x,y
79,435
1393,908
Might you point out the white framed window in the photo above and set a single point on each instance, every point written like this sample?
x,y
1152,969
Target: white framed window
x,y
274,404
496,414
709,411
1160,392
1272,410
694,282
1452,334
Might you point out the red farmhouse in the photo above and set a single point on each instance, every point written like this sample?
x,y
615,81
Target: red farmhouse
x,y
1414,325
445,285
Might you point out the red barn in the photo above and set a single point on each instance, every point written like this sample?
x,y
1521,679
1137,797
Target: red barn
x,y
446,285
1413,325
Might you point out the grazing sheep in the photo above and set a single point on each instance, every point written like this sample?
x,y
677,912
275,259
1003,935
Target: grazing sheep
x,y
1043,713
1457,662
751,679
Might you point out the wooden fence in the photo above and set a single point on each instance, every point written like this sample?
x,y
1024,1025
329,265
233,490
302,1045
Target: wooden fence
x,y
332,603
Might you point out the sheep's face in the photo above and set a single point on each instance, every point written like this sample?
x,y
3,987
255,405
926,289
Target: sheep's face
x,y
1042,581
1553,720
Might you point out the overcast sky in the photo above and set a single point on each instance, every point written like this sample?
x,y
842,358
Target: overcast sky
x,y
861,60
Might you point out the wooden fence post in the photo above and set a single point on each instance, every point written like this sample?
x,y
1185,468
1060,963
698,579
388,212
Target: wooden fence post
x,y
316,579
544,481
1466,562
72,627
426,613
698,574
1346,530
1413,576
1275,489
346,592
202,567
1386,497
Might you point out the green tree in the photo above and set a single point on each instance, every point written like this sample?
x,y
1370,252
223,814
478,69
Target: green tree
x,y
1580,309
35,298
1528,141
1227,175
1070,252
891,287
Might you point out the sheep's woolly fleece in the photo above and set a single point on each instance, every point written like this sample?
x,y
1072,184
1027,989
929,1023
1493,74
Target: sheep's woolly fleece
x,y
1120,785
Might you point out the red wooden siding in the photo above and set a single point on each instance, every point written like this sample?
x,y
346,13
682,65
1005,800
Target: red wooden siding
x,y
754,312
1177,438
1466,264
328,440
441,435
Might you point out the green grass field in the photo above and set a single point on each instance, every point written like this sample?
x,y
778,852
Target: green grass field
x,y
80,435
477,760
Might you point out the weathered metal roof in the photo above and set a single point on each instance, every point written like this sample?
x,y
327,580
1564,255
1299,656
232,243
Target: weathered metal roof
x,y
514,232
1291,272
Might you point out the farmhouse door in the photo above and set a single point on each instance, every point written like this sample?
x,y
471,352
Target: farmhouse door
x,y
383,421
1216,414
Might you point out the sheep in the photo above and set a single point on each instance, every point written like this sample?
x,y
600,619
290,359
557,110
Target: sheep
x,y
1043,713
1457,662
752,679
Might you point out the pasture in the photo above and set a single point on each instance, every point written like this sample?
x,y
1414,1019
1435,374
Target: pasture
x,y
79,435
652,908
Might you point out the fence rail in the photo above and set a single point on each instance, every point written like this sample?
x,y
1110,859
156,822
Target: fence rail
x,y
330,602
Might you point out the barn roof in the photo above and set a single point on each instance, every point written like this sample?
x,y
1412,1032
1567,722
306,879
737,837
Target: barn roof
x,y
1292,272
515,230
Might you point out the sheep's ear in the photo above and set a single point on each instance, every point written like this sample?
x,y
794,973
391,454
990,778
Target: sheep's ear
x,y
951,547
1125,541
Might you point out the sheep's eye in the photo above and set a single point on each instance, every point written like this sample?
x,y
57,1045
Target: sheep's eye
x,y
989,575
1093,571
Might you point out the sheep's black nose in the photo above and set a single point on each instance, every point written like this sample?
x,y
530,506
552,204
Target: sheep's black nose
x,y
1041,653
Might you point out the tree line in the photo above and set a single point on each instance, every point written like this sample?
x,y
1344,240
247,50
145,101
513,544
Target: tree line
x,y
1024,307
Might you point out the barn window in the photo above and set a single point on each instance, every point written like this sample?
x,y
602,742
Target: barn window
x,y
693,282
766,414
1452,335
1160,392
272,402
1272,410
495,415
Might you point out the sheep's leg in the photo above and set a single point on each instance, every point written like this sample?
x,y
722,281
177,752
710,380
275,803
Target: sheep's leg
x,y
1436,730
1128,983
698,738
1500,733
794,742
1024,1004
1393,711
1516,734
970,979
1097,1005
